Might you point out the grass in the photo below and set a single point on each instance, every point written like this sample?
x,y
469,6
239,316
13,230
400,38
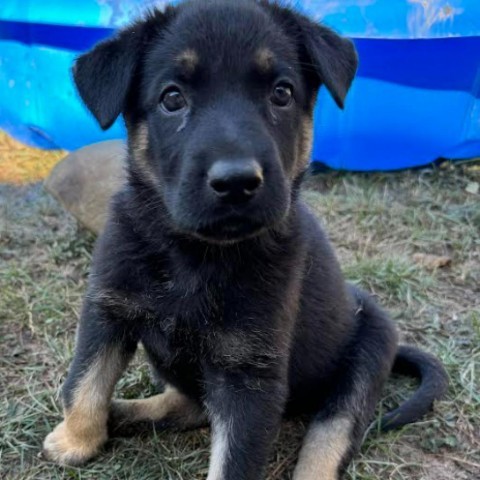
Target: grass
x,y
377,222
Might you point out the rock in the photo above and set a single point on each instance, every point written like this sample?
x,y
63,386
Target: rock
x,y
473,188
432,262
84,181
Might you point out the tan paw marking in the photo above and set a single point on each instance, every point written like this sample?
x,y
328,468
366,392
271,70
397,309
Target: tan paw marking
x,y
62,447
323,450
184,412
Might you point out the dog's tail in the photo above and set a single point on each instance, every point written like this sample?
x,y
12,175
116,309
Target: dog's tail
x,y
433,385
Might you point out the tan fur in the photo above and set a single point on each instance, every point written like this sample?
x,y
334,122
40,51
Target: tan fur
x,y
304,146
264,58
188,61
171,403
323,449
121,302
84,429
139,152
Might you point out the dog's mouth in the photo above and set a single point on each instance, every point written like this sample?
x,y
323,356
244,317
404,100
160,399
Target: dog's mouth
x,y
220,223
230,230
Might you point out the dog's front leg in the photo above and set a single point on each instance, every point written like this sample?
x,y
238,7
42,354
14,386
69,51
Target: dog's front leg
x,y
103,348
245,411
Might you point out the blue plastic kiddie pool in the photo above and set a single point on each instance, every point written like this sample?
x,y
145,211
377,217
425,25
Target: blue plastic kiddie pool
x,y
416,97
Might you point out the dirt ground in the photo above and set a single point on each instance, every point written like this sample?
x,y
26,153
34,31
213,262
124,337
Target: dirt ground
x,y
384,227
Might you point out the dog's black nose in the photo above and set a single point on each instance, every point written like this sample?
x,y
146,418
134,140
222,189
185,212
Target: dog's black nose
x,y
235,180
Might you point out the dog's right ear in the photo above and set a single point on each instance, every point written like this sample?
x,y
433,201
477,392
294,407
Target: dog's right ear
x,y
104,74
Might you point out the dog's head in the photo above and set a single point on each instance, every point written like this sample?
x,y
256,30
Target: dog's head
x,y
217,96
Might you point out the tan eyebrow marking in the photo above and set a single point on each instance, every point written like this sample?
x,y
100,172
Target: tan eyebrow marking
x,y
188,61
264,58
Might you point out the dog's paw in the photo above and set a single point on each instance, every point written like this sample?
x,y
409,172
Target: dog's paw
x,y
63,447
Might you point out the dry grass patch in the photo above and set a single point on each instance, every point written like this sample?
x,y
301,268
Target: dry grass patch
x,y
20,164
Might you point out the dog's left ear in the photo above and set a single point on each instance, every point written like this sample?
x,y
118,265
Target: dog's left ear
x,y
332,58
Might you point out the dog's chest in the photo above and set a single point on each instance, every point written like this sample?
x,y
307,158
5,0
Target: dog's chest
x,y
225,308
185,313
213,320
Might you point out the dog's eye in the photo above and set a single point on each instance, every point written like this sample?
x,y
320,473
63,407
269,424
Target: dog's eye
x,y
172,100
282,94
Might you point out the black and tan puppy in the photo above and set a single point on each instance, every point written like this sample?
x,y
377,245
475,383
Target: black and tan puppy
x,y
211,260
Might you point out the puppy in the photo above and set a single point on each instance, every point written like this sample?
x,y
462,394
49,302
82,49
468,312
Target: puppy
x,y
210,258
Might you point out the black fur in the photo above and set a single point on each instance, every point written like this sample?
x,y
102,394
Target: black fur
x,y
241,306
